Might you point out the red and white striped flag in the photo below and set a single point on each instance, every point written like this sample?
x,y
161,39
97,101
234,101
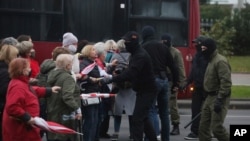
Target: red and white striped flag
x,y
53,127
101,95
88,69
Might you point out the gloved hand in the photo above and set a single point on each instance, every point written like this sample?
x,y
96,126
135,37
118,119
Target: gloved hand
x,y
183,85
105,80
218,105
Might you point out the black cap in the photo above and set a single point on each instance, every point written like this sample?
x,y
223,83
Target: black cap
x,y
199,39
167,37
209,43
147,31
131,36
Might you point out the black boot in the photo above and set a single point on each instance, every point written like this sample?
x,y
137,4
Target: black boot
x,y
176,130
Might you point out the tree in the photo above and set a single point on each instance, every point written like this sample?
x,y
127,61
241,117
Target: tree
x,y
223,34
241,23
204,2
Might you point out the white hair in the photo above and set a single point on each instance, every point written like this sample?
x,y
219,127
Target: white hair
x,y
121,45
99,47
110,45
63,60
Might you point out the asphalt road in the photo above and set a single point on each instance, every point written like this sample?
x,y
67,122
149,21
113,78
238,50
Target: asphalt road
x,y
233,117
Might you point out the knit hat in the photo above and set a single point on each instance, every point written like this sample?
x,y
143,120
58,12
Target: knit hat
x,y
147,31
69,39
167,39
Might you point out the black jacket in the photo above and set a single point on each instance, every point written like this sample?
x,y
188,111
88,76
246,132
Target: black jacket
x,y
4,82
87,86
197,73
161,58
139,72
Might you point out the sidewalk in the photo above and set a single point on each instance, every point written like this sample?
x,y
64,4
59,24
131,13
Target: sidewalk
x,y
234,104
237,79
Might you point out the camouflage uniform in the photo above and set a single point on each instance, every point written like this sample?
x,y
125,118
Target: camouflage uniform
x,y
174,114
217,84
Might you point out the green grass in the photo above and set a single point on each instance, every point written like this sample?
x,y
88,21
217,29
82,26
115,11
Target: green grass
x,y
240,92
240,64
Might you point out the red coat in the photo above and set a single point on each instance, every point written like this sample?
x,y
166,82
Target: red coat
x,y
21,100
35,68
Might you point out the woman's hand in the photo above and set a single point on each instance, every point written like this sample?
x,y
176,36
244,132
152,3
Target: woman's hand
x,y
78,116
55,89
31,121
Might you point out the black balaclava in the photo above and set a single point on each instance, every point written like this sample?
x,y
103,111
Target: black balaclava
x,y
131,41
211,47
198,42
167,39
147,31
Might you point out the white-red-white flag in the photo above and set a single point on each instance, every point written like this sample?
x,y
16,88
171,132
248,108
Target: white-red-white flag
x,y
101,95
53,127
88,69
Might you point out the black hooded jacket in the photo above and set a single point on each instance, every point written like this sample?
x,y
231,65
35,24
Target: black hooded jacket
x,y
161,57
139,72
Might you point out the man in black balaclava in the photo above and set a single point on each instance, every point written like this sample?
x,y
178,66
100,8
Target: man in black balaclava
x,y
131,41
161,58
196,77
178,60
140,74
217,85
208,47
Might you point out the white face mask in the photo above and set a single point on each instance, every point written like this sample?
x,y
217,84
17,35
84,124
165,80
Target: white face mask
x,y
72,48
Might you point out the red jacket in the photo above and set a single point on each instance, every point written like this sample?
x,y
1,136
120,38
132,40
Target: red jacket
x,y
21,103
35,68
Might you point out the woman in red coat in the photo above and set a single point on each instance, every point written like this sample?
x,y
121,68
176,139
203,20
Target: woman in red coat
x,y
22,104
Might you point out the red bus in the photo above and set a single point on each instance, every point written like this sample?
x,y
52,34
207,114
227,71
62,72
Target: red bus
x,y
95,20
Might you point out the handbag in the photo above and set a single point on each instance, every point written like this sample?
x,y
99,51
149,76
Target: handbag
x,y
91,101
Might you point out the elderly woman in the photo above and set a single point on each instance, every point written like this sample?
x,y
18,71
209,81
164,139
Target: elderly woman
x,y
25,48
91,85
64,107
7,53
125,99
110,47
22,104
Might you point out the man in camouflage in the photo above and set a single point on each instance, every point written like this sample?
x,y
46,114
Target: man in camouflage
x,y
217,85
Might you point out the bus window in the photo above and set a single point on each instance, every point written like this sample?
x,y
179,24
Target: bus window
x,y
174,9
165,16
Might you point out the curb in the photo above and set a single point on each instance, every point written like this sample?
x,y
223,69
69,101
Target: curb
x,y
234,104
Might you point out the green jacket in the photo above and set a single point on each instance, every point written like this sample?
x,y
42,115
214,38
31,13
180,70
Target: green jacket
x,y
47,66
218,75
66,102
178,60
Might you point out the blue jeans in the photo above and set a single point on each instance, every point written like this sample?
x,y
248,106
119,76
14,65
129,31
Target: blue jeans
x,y
90,124
162,101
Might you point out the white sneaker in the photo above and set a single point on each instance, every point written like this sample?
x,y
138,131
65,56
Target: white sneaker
x,y
159,138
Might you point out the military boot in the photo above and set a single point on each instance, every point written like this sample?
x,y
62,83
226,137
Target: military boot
x,y
176,130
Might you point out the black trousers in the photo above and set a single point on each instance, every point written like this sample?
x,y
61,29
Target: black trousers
x,y
198,98
140,120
